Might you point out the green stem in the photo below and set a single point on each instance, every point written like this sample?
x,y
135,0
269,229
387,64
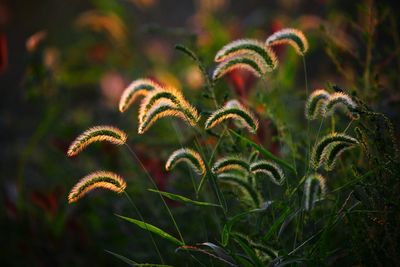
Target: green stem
x,y
141,218
156,187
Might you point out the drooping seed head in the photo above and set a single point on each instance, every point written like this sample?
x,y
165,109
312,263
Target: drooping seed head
x,y
331,154
97,134
315,105
189,156
168,94
293,37
269,168
314,190
321,149
339,99
233,110
137,88
247,47
161,109
230,163
99,179
250,62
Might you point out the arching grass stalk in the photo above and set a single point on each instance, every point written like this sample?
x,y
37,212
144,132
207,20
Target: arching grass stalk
x,y
156,187
142,219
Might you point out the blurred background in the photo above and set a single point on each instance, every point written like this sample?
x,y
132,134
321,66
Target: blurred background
x,y
64,64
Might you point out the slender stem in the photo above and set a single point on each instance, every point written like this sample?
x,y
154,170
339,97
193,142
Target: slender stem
x,y
308,122
348,126
141,218
156,187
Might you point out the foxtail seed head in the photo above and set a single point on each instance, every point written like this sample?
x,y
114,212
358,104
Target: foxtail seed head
x,y
340,99
293,37
189,156
314,190
230,163
163,108
137,88
315,105
96,134
269,168
247,47
233,110
171,95
99,179
323,150
250,62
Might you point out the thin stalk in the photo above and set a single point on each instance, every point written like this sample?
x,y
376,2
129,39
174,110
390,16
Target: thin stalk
x,y
141,218
156,187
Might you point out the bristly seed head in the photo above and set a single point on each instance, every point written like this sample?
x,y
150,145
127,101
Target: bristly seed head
x,y
139,87
189,156
233,109
323,149
250,62
230,163
269,168
289,36
247,47
97,134
317,183
343,100
99,179
315,105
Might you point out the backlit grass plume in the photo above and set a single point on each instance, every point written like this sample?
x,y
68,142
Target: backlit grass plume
x,y
251,62
233,110
172,95
315,105
340,99
269,168
247,46
333,152
189,156
96,134
163,108
137,88
289,36
314,190
99,179
230,163
326,149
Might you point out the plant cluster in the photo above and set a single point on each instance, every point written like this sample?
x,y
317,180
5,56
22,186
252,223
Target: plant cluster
x,y
258,228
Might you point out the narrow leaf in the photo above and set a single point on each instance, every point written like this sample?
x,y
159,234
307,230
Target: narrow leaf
x,y
183,199
153,229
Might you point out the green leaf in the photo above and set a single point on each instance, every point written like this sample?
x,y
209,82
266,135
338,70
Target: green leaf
x,y
265,152
184,199
276,224
249,251
153,229
122,258
133,263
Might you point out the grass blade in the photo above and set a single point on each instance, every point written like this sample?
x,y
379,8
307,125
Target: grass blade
x,y
183,199
133,263
276,224
153,229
